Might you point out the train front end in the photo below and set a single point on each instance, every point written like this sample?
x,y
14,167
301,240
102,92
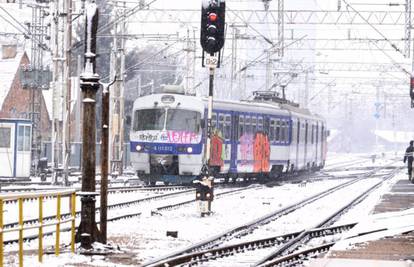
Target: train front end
x,y
166,138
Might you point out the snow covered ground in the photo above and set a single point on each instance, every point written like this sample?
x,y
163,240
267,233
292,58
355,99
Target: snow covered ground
x,y
145,237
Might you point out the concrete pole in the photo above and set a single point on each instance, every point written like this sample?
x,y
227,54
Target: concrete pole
x,y
67,70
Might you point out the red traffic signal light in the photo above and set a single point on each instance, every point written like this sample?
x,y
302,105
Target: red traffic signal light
x,y
212,17
212,26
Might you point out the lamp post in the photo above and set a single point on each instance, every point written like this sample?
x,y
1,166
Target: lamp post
x,y
88,231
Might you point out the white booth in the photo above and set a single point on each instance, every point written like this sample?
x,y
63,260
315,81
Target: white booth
x,y
15,144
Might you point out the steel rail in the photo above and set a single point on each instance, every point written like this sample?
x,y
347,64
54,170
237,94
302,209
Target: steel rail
x,y
306,235
245,229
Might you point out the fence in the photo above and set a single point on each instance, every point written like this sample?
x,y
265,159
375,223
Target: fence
x,y
19,199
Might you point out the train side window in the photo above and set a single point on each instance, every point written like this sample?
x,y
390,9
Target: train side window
x,y
227,127
307,133
313,128
254,125
317,133
272,130
221,124
260,123
282,131
288,132
322,130
277,136
214,120
241,126
248,125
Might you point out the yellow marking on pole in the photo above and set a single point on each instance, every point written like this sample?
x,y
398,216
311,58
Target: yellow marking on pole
x,y
57,226
1,233
40,229
73,211
21,232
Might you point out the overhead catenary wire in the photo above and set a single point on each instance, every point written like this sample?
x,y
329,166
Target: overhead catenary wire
x,y
23,30
374,28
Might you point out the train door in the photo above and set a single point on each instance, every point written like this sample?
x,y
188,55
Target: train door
x,y
305,145
234,140
323,144
316,144
297,144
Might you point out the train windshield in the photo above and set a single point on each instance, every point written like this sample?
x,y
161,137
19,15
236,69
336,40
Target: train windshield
x,y
183,120
177,120
149,119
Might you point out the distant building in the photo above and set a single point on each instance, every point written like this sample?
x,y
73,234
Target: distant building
x,y
15,101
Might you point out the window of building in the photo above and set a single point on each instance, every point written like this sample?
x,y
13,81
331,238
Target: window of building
x,y
5,137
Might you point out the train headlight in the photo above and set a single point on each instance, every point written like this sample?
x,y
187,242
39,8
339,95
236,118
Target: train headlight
x,y
138,148
198,195
189,149
208,195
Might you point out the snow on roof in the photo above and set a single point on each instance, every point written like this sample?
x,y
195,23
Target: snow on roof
x,y
395,136
8,69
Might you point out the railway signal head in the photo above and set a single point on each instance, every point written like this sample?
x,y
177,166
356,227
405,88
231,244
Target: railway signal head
x,y
204,192
212,25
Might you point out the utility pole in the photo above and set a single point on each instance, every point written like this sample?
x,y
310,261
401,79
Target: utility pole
x,y
66,149
38,77
88,231
407,28
280,26
117,105
235,33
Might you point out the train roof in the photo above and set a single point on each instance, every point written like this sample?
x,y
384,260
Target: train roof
x,y
279,108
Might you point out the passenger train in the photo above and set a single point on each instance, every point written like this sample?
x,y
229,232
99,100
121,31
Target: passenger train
x,y
262,138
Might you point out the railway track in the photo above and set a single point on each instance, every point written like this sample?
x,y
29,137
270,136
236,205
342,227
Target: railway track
x,y
157,210
214,247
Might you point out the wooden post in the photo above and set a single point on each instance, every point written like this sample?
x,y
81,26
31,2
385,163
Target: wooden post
x,y
104,160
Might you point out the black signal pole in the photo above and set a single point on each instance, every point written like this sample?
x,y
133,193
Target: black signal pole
x,y
88,230
212,41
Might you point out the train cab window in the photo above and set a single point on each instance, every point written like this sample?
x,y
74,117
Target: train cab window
x,y
247,124
260,123
241,126
227,127
272,130
277,135
254,125
149,119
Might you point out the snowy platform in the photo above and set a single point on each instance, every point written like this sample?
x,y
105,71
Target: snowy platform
x,y
386,238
